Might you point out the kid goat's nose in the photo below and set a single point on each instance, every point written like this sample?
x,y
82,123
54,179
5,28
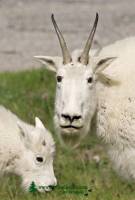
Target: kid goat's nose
x,y
71,118
54,183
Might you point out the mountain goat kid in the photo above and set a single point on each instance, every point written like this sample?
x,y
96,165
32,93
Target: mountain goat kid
x,y
26,150
93,86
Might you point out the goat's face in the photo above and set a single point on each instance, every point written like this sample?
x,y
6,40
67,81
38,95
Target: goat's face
x,y
36,161
76,76
75,98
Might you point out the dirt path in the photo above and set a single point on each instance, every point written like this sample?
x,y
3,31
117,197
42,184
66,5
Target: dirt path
x,y
26,29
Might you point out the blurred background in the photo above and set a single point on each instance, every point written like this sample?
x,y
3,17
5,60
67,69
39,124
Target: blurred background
x,y
26,29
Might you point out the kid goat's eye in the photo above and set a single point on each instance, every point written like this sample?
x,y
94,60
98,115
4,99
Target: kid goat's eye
x,y
90,79
39,159
59,78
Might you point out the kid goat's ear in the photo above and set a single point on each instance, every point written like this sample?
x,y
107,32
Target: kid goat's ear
x,y
38,123
103,63
23,129
24,132
51,63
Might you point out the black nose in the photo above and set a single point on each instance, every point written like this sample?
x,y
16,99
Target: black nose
x,y
71,118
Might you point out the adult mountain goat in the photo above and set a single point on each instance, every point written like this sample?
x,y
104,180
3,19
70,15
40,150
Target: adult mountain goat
x,y
26,150
100,86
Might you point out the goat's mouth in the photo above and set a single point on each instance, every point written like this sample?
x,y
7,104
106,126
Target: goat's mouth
x,y
71,127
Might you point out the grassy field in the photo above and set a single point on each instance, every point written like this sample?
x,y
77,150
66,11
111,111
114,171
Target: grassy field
x,y
31,94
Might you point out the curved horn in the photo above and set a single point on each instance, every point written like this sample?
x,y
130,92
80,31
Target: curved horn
x,y
84,58
65,53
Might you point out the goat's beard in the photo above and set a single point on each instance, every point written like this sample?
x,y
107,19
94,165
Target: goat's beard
x,y
71,137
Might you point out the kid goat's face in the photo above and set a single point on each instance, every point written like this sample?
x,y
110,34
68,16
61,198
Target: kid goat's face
x,y
36,163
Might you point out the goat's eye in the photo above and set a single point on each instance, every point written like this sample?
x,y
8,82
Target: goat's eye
x,y
39,159
90,79
59,78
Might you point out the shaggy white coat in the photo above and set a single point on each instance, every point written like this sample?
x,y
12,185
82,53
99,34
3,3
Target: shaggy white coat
x,y
116,107
111,95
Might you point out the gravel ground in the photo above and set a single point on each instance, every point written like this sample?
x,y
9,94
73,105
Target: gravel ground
x,y
26,28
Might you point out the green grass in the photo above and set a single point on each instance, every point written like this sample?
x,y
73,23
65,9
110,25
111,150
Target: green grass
x,y
31,94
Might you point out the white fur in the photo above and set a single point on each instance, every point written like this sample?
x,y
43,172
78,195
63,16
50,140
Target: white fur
x,y
116,107
20,144
110,97
74,95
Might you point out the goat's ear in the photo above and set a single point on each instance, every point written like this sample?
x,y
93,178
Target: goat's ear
x,y
103,63
38,123
51,63
25,133
23,129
